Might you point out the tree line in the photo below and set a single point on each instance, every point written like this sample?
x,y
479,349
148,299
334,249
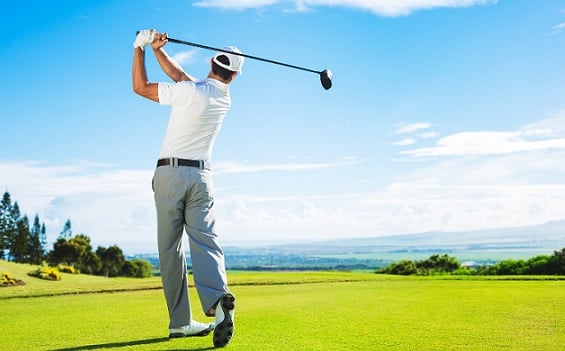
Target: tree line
x,y
445,264
21,242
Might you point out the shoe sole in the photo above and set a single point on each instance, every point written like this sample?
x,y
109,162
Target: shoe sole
x,y
182,335
224,330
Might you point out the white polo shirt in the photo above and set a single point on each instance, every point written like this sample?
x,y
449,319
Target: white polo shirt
x,y
198,110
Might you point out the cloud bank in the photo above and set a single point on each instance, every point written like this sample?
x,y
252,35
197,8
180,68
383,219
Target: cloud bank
x,y
545,135
464,181
380,7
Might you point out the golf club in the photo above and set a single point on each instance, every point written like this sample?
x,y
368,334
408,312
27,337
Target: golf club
x,y
325,75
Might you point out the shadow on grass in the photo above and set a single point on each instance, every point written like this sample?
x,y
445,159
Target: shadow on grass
x,y
112,345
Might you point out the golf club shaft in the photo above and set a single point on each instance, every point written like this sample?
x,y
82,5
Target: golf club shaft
x,y
177,41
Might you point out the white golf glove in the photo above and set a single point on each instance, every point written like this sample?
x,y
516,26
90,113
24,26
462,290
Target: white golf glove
x,y
143,38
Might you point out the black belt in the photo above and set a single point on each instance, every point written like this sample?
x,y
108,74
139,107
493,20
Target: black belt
x,y
177,162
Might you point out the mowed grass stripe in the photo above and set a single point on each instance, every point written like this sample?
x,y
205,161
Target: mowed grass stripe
x,y
88,284
386,314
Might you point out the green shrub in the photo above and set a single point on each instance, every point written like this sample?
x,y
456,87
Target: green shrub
x,y
67,269
463,271
137,268
144,268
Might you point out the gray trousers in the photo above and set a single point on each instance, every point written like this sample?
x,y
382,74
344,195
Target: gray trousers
x,y
184,198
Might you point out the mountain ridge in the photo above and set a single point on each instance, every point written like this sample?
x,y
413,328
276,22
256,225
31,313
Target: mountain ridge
x,y
541,238
481,247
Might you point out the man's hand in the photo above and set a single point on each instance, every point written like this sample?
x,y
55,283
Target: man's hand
x,y
159,40
143,38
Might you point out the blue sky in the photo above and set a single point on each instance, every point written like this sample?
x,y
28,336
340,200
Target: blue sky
x,y
444,115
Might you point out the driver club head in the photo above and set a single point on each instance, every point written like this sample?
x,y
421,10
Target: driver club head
x,y
326,79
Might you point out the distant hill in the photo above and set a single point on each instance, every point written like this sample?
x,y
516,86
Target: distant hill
x,y
483,245
357,253
539,238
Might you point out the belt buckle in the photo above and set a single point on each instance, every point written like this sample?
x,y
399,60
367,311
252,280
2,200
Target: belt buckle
x,y
174,162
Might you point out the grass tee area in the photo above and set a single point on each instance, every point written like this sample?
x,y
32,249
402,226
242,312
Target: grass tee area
x,y
292,311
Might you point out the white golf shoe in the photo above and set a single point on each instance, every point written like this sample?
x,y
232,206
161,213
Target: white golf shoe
x,y
193,329
225,325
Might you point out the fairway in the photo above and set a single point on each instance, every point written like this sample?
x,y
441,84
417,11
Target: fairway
x,y
300,311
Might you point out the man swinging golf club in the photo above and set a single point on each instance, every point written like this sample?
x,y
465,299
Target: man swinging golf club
x,y
182,185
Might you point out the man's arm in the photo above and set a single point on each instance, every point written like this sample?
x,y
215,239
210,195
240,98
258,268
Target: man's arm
x,y
139,76
168,65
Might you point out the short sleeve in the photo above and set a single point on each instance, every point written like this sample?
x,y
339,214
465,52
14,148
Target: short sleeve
x,y
176,93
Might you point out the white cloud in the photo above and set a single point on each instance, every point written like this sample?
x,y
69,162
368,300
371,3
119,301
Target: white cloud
x,y
112,206
450,194
428,135
283,220
185,57
236,4
415,203
399,7
479,191
544,135
485,143
380,7
418,207
407,128
412,128
482,192
227,167
558,28
405,142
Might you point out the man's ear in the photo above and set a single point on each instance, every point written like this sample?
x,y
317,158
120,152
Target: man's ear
x,y
233,75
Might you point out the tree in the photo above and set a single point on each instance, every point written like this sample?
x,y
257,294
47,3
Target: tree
x,y
435,264
511,267
538,265
506,267
16,217
43,238
439,264
9,216
556,262
76,252
7,223
19,249
90,263
36,242
67,231
128,269
404,267
112,260
63,253
22,242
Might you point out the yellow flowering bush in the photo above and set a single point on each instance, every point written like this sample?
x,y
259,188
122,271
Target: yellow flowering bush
x,y
8,280
47,273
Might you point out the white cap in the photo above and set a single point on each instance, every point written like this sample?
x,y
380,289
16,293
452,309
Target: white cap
x,y
235,61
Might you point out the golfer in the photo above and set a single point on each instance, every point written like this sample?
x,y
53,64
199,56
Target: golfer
x,y
182,185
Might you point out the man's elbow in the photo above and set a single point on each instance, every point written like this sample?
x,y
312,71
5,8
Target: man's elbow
x,y
147,90
138,89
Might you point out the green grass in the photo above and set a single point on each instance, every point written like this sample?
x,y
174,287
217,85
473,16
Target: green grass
x,y
83,284
293,311
70,283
